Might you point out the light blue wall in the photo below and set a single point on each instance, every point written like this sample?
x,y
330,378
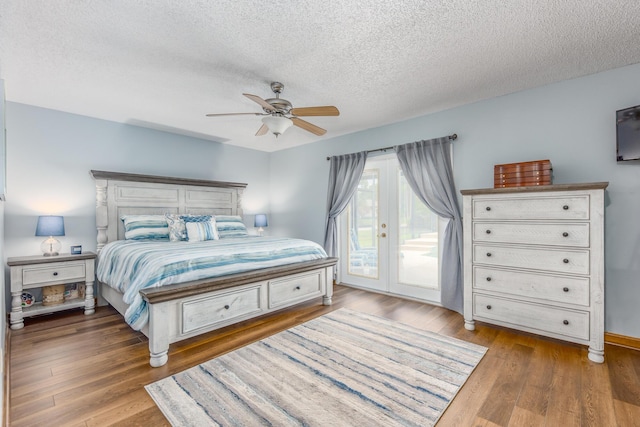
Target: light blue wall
x,y
572,123
50,154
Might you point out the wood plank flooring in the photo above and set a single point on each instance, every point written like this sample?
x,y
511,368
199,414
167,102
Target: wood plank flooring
x,y
69,369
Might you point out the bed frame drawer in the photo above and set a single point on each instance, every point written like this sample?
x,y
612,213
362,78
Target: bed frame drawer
x,y
221,308
288,291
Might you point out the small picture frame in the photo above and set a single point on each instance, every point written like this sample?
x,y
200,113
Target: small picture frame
x,y
76,250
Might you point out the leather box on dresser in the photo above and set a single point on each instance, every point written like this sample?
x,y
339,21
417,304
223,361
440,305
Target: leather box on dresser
x,y
534,261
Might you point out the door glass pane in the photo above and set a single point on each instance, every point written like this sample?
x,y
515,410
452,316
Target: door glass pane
x,y
418,239
363,226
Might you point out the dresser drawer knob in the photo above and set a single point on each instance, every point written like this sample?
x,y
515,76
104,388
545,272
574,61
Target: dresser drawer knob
x,y
565,234
226,307
489,279
489,307
566,260
565,289
55,273
565,207
488,231
566,322
488,208
298,288
488,253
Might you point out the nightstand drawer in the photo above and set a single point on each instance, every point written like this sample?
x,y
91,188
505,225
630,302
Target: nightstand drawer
x,y
58,273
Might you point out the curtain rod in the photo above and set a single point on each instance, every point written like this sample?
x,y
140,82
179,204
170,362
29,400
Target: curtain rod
x,y
451,137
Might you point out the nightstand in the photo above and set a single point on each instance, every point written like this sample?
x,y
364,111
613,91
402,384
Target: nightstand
x,y
38,271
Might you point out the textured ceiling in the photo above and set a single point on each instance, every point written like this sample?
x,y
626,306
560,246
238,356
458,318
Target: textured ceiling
x,y
164,64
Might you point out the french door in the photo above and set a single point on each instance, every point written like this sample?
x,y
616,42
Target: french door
x,y
389,238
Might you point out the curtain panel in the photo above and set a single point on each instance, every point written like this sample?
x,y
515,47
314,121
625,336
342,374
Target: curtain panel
x,y
427,167
344,176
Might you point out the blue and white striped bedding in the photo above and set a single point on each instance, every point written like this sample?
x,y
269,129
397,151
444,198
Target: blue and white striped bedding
x,y
132,265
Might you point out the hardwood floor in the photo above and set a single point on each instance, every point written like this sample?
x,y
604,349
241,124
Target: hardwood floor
x,y
69,369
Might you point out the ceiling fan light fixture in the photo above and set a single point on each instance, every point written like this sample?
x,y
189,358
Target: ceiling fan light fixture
x,y
277,124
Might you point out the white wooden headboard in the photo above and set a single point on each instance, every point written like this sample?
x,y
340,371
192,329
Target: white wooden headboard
x,y
120,194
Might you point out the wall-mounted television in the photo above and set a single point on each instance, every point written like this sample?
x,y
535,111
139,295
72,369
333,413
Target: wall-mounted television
x,y
628,134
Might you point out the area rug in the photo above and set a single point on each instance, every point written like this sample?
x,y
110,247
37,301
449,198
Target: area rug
x,y
342,369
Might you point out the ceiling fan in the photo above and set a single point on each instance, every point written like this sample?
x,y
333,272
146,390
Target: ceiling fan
x,y
280,114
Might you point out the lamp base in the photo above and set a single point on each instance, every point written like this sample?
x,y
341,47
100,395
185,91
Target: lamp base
x,y
50,247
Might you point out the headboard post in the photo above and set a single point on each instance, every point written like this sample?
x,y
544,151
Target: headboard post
x,y
239,205
102,216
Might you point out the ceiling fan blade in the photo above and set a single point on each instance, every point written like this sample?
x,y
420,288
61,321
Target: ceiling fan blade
x,y
263,130
264,104
235,114
308,126
328,110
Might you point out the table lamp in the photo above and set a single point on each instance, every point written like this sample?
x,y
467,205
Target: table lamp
x,y
50,225
260,221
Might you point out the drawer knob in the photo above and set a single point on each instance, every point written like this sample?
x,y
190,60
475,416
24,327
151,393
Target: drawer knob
x,y
566,322
565,289
488,208
488,253
226,307
565,207
55,273
488,231
565,234
298,288
488,279
566,260
489,307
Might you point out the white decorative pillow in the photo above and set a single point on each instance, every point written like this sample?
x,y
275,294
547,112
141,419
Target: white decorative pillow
x,y
177,229
145,227
201,230
230,226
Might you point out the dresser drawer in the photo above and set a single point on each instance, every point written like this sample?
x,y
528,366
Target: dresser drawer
x,y
546,319
531,233
562,261
288,291
545,287
218,309
570,208
53,273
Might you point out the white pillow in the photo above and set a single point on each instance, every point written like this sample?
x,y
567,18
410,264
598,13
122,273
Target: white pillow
x,y
200,231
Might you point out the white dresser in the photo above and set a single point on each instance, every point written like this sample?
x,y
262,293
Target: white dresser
x,y
534,261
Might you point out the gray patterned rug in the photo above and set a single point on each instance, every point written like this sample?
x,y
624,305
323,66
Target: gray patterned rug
x,y
341,369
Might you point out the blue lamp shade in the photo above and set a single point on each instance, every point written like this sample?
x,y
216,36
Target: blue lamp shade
x,y
50,225
260,220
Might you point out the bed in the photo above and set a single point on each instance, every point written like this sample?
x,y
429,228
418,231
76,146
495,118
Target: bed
x,y
177,311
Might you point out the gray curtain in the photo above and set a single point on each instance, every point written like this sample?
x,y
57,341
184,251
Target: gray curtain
x,y
427,167
344,176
